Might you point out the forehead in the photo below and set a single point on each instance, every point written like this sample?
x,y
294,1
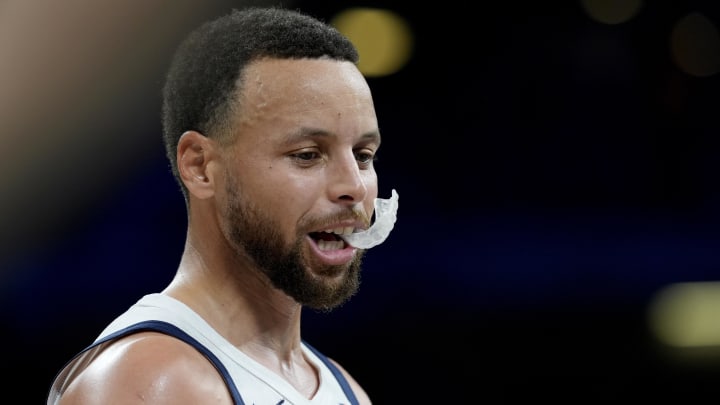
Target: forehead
x,y
277,88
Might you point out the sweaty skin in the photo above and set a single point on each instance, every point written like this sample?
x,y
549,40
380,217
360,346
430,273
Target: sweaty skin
x,y
299,162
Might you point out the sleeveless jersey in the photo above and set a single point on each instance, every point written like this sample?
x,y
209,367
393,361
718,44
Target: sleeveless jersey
x,y
248,381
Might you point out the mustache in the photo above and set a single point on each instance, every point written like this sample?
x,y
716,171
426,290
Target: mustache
x,y
354,214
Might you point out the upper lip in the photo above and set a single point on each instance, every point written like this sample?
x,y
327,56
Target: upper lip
x,y
344,227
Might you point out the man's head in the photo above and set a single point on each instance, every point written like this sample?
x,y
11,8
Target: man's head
x,y
278,157
202,84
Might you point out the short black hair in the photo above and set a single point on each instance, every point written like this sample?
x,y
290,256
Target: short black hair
x,y
200,86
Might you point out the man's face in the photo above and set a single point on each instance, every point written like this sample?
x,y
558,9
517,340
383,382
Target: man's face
x,y
301,165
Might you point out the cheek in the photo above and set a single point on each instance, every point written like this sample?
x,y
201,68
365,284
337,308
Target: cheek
x,y
369,202
283,199
371,182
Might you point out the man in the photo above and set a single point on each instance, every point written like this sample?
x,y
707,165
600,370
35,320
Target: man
x,y
271,133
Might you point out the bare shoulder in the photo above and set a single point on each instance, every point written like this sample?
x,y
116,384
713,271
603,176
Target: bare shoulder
x,y
360,393
148,367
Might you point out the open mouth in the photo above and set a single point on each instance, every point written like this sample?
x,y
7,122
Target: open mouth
x,y
331,239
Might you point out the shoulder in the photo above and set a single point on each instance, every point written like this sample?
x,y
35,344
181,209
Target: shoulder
x,y
148,367
360,393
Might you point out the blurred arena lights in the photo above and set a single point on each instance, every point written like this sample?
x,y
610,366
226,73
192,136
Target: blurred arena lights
x,y
695,45
694,41
687,315
611,11
383,39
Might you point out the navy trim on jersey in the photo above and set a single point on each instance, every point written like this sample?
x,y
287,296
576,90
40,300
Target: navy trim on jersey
x,y
338,375
172,330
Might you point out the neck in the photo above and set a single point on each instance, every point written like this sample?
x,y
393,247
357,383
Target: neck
x,y
237,300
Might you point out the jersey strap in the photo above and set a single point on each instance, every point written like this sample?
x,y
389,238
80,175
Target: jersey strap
x,y
338,375
172,330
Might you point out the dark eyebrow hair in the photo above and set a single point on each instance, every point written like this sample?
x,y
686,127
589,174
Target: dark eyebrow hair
x,y
306,132
373,136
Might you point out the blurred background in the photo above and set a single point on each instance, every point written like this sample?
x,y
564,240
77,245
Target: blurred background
x,y
558,236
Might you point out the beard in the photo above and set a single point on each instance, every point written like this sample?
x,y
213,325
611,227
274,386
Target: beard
x,y
254,233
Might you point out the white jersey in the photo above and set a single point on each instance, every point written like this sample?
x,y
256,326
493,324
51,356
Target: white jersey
x,y
248,381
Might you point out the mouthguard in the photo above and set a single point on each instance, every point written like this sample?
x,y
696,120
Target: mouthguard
x,y
385,217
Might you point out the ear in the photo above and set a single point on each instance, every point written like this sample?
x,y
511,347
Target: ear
x,y
195,152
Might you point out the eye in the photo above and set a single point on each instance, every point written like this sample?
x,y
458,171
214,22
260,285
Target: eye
x,y
365,157
306,155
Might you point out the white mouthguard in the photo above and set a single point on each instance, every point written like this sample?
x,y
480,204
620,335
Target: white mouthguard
x,y
385,217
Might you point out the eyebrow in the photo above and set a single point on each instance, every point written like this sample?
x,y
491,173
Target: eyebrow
x,y
307,132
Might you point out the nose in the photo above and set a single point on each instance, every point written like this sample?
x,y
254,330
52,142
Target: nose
x,y
348,183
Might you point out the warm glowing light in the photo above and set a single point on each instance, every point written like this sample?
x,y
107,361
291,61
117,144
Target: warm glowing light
x,y
687,314
383,38
611,11
695,44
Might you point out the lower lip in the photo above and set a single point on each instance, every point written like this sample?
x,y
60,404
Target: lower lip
x,y
332,257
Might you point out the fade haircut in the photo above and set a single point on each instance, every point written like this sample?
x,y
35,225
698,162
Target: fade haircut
x,y
201,86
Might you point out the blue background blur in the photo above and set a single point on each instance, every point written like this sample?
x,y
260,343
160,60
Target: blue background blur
x,y
554,173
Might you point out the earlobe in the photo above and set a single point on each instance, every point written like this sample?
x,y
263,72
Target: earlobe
x,y
194,153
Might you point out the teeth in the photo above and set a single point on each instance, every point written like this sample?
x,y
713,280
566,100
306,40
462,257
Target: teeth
x,y
341,231
330,244
335,244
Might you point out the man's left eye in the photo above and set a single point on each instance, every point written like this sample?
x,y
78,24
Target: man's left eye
x,y
364,157
306,155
